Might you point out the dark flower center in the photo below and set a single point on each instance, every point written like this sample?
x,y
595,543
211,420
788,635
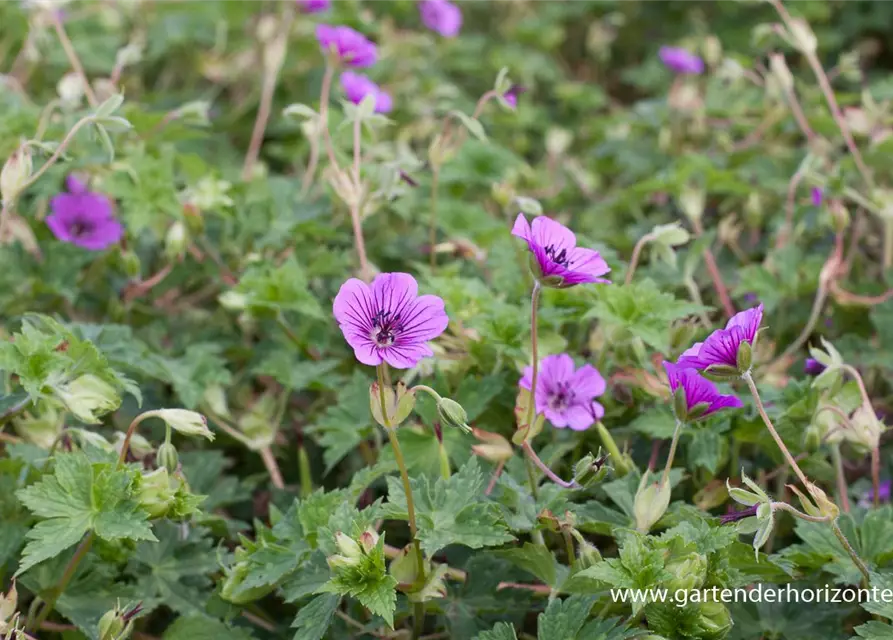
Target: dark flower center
x,y
81,228
386,326
561,398
558,256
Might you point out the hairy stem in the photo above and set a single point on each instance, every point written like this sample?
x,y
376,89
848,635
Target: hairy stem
x,y
72,56
876,475
356,203
432,227
781,445
634,259
841,480
59,589
531,455
784,506
673,444
849,549
266,454
531,407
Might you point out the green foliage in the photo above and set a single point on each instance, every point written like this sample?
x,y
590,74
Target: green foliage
x,y
78,498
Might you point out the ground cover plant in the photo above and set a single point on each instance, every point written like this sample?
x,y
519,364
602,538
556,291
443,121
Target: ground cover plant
x,y
485,320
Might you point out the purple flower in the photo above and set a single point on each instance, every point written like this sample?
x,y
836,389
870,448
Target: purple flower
x,y
511,96
681,60
700,395
357,86
559,260
564,395
817,196
721,346
83,218
441,16
314,6
387,321
813,367
735,516
352,47
866,501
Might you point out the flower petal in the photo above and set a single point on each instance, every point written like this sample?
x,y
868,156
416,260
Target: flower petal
x,y
521,228
587,382
579,417
391,292
405,356
423,319
547,232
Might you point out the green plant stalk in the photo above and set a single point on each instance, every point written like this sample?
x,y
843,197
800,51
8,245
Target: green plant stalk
x,y
444,458
634,259
748,378
304,472
59,589
866,576
620,465
419,608
841,480
888,244
675,442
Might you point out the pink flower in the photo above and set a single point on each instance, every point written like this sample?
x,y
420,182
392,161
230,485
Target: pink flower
x,y
351,47
314,6
560,261
701,396
565,394
388,321
84,218
357,86
441,16
721,346
681,61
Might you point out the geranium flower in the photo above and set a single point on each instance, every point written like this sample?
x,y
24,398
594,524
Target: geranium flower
x,y
817,196
511,96
357,86
721,347
83,218
813,367
701,396
565,394
441,16
314,6
559,261
681,60
351,47
388,321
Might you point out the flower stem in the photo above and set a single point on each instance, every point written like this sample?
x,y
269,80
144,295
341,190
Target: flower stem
x,y
266,454
322,129
620,465
407,489
531,407
634,259
59,589
676,433
841,480
72,56
125,447
784,506
748,378
531,455
356,203
876,475
849,549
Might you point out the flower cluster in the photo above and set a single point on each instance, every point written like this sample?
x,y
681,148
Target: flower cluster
x,y
351,48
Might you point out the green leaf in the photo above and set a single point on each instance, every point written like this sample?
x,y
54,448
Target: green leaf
x,y
452,511
874,630
563,619
369,582
285,287
473,125
79,497
502,631
314,618
204,628
534,558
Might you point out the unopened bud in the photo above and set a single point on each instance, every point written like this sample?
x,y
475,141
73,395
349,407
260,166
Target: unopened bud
x,y
712,50
15,174
168,457
802,36
650,504
867,429
130,263
780,71
154,493
88,397
691,201
369,540
590,470
8,604
184,421
404,567
493,447
452,414
689,572
348,546
71,90
398,404
176,241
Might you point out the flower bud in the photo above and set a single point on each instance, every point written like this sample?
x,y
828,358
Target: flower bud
x,y
139,447
233,300
404,567
780,71
714,620
186,422
744,357
452,414
689,572
40,427
71,90
369,540
215,397
176,241
130,263
590,470
712,50
398,404
558,141
588,555
867,429
168,457
826,506
348,546
88,397
154,492
802,36
15,174
434,587
8,603
495,448
650,504
233,589
691,201
117,624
